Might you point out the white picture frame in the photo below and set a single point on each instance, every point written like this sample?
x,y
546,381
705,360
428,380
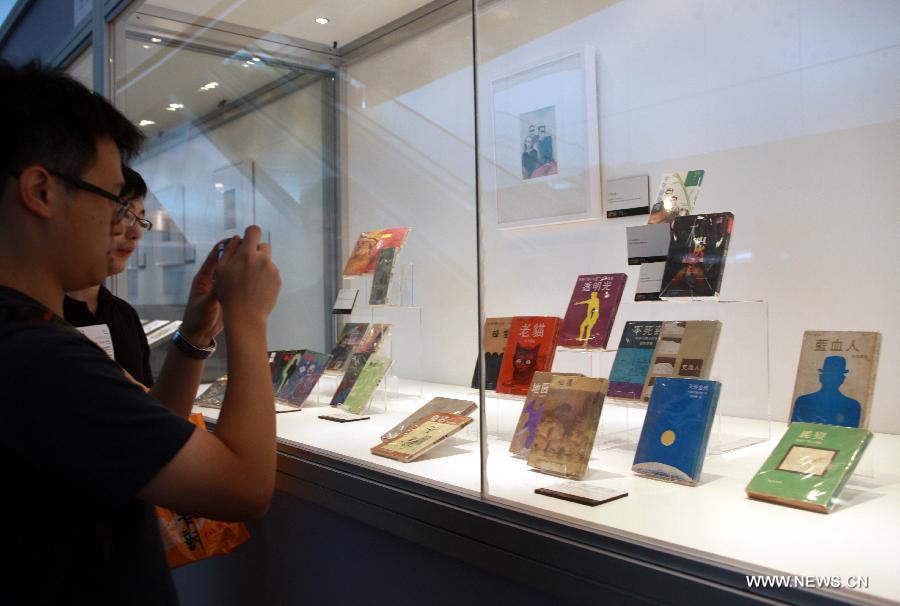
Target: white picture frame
x,y
555,183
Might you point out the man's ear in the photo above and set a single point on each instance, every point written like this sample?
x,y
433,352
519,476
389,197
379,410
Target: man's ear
x,y
36,190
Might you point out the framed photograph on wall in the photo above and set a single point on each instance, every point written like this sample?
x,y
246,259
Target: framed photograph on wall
x,y
546,143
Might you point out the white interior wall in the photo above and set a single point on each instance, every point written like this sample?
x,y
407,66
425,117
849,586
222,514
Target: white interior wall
x,y
792,108
283,143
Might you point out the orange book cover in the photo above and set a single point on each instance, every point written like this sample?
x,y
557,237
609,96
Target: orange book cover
x,y
530,348
368,245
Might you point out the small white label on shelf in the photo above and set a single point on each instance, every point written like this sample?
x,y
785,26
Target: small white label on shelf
x,y
345,301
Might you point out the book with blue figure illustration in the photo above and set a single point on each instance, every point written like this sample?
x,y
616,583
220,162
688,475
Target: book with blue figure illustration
x,y
676,429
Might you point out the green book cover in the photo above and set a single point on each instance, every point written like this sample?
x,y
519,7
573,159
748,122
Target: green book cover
x,y
369,379
810,466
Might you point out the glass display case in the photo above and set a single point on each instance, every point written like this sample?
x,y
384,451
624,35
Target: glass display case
x,y
622,217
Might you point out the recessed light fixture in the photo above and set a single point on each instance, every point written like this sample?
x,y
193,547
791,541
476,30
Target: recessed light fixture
x,y
220,185
154,39
209,86
146,46
322,20
146,123
174,106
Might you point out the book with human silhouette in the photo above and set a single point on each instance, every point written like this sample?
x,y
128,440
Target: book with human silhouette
x,y
836,377
592,311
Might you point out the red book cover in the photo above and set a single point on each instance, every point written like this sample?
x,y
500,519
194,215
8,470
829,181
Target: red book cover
x,y
530,348
592,310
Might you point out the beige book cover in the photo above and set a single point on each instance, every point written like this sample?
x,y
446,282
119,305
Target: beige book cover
x,y
532,408
448,405
836,377
427,433
564,438
684,349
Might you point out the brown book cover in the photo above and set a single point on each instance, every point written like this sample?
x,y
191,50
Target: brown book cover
x,y
836,377
496,334
684,349
447,405
427,433
526,428
531,347
565,433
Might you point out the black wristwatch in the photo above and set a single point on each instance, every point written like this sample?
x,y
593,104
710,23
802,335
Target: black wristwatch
x,y
191,350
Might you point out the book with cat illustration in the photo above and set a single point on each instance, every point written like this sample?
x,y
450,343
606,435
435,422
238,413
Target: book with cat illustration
x,y
564,438
214,395
633,358
683,349
302,377
698,247
836,377
347,341
676,430
368,381
592,310
365,253
531,347
810,466
424,435
678,193
444,405
532,409
381,282
375,335
496,334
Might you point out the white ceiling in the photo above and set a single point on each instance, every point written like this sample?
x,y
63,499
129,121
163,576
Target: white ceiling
x,y
349,19
158,75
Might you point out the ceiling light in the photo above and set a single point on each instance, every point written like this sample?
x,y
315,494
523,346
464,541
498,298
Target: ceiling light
x,y
174,106
154,39
146,123
209,86
146,46
321,20
257,59
220,185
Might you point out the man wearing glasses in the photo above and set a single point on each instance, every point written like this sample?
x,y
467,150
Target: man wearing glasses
x,y
84,452
97,305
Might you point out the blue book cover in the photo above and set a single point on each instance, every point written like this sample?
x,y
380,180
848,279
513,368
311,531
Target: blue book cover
x,y
676,429
632,363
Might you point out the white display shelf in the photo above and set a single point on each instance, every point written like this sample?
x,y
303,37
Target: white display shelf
x,y
714,521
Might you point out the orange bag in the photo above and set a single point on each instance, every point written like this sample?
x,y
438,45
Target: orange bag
x,y
188,539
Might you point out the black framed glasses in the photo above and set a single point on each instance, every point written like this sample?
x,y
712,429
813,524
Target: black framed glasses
x,y
123,209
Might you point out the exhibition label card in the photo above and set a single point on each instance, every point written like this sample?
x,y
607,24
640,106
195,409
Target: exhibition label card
x,y
628,196
650,281
345,301
579,492
99,334
647,243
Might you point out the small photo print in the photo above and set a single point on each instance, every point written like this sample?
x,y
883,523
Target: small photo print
x,y
664,366
537,131
807,460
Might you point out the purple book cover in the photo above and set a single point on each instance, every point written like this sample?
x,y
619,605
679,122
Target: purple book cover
x,y
592,310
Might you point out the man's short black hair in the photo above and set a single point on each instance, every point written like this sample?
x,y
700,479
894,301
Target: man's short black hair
x,y
48,118
135,187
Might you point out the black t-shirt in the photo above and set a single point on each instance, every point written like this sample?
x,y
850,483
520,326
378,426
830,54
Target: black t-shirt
x,y
77,442
129,341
